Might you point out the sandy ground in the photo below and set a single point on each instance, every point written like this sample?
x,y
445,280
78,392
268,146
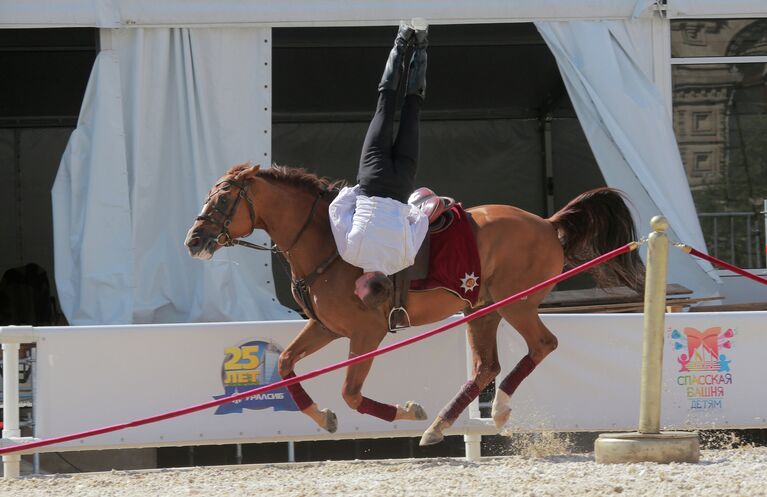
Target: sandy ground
x,y
736,472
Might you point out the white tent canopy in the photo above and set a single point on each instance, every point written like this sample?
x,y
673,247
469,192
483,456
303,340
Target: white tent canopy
x,y
155,131
188,13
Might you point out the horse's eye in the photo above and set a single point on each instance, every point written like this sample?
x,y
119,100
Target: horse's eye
x,y
223,200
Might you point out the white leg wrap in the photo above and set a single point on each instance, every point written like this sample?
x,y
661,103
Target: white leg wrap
x,y
501,410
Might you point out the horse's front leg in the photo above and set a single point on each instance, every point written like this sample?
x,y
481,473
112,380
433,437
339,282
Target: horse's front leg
x,y
482,340
311,339
355,378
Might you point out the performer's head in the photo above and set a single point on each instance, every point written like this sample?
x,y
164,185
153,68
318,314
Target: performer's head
x,y
373,288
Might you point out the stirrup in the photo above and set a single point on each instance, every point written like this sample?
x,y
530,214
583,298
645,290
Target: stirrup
x,y
394,327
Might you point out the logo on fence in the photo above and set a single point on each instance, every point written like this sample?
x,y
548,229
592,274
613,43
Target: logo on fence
x,y
249,366
704,366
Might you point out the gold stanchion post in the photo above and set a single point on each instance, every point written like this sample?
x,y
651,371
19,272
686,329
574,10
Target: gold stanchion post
x,y
649,443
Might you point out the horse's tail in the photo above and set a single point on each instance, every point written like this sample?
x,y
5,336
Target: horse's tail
x,y
594,223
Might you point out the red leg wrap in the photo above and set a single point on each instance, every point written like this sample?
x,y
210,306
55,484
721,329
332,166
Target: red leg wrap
x,y
523,368
465,396
300,397
387,412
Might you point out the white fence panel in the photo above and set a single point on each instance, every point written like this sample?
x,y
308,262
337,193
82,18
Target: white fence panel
x,y
591,382
94,376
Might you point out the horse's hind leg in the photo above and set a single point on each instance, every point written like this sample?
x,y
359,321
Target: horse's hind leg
x,y
540,343
482,339
355,378
311,339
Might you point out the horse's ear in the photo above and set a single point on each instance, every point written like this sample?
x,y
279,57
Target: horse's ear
x,y
249,172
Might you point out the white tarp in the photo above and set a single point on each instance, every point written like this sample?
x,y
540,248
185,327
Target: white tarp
x,y
607,68
166,112
93,246
186,13
712,378
716,8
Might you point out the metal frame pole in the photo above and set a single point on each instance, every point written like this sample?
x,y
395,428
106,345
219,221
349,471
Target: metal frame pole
x,y
548,165
764,213
35,410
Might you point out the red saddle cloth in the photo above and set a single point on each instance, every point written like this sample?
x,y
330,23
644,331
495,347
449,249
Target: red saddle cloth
x,y
453,260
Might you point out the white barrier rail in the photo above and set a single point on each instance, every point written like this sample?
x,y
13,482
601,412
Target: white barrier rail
x,y
93,376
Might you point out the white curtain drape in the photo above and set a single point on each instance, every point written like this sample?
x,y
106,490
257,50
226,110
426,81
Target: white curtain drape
x,y
606,67
166,112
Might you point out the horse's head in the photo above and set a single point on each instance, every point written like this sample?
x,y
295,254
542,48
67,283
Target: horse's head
x,y
227,214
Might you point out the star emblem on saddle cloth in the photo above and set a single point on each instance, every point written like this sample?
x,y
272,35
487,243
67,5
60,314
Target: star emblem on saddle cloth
x,y
469,282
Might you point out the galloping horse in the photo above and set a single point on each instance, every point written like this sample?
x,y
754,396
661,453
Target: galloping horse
x,y
517,249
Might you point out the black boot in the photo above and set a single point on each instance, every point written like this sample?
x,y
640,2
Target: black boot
x,y
396,63
416,76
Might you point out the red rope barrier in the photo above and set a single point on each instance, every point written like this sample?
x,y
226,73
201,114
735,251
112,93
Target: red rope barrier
x,y
720,263
317,372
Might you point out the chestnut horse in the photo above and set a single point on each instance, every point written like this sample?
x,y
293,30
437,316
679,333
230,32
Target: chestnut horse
x,y
517,249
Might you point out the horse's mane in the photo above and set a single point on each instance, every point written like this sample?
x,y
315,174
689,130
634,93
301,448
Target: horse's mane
x,y
295,176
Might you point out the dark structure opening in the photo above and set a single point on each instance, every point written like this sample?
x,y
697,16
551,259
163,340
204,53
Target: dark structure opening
x,y
46,72
497,127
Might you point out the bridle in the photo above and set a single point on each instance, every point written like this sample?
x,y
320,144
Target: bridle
x,y
224,238
299,286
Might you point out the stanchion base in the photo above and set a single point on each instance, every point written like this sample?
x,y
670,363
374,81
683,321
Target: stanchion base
x,y
664,447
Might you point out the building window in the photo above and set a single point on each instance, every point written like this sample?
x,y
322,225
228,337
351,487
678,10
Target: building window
x,y
703,123
702,164
718,37
719,78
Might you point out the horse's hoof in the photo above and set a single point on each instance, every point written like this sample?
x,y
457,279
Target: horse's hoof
x,y
331,421
419,414
431,436
501,414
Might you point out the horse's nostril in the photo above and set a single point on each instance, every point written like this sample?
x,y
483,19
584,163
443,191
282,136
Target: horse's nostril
x,y
193,242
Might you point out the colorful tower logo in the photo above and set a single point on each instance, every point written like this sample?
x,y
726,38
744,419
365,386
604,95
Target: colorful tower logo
x,y
704,364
